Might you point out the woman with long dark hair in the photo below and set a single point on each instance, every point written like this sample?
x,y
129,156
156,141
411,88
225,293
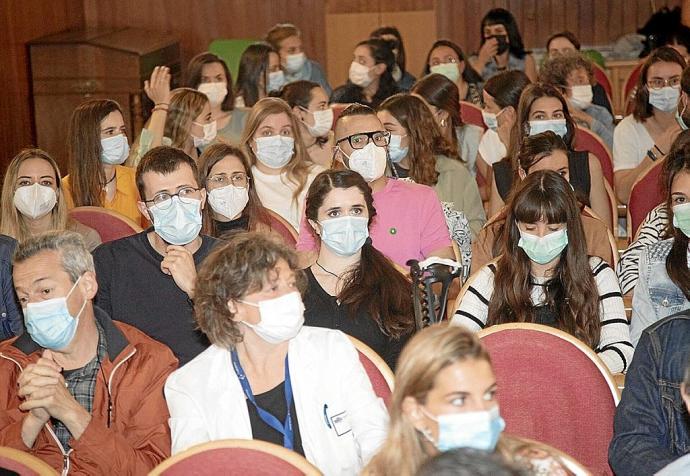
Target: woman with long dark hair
x,y
545,276
392,35
447,58
259,73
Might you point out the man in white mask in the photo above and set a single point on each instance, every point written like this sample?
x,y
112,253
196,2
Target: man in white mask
x,y
410,223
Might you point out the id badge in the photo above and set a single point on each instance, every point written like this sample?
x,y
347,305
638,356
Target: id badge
x,y
341,423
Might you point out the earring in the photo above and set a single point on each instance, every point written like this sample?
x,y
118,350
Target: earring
x,y
443,123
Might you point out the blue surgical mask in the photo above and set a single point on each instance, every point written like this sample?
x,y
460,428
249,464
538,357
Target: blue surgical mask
x,y
665,99
276,80
491,119
49,322
479,430
449,70
543,249
180,223
395,151
114,150
681,218
345,235
557,126
679,117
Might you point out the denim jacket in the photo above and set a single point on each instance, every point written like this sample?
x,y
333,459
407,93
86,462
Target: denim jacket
x,y
656,296
651,423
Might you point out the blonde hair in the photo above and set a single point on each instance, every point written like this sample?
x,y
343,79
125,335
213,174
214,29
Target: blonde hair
x,y
423,358
13,222
300,164
185,105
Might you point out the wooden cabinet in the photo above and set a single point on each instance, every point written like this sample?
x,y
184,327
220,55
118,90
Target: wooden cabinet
x,y
68,68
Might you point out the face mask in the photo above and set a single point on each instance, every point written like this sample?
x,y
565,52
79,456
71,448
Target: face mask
x,y
679,117
210,131
114,150
323,121
396,152
369,162
275,151
35,200
276,80
215,92
581,96
345,235
49,322
503,44
664,99
681,218
543,249
491,119
479,430
180,223
293,63
281,318
359,75
229,201
557,126
449,70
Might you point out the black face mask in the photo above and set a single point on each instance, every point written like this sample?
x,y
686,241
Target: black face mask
x,y
503,44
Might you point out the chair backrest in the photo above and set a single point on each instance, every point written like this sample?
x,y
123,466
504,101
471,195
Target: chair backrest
x,y
592,143
553,388
338,109
380,375
603,79
24,463
230,50
281,226
109,224
629,86
236,458
471,114
645,194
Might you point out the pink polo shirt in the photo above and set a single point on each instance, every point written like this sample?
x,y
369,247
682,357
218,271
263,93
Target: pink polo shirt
x,y
409,223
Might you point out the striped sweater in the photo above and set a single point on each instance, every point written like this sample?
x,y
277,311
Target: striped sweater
x,y
614,348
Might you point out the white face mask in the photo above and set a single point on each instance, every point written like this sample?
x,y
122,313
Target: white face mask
x,y
275,152
323,121
215,92
369,162
229,201
359,75
582,96
210,132
293,63
35,200
114,150
276,80
665,99
281,318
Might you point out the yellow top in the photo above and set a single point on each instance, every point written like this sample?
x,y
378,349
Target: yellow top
x,y
126,194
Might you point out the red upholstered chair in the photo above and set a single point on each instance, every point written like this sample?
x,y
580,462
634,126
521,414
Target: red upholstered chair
x,y
592,143
471,114
338,108
380,375
24,463
629,87
554,389
645,194
236,458
109,224
281,226
603,79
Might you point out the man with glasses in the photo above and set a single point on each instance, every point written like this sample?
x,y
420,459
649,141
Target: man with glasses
x,y
409,222
147,280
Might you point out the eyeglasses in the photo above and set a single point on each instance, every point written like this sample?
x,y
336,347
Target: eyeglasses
x,y
163,200
237,179
658,83
359,141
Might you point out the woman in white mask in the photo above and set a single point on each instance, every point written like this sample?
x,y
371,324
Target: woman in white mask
x,y
370,77
352,286
266,376
646,135
209,74
258,75
445,398
33,201
309,104
448,59
281,167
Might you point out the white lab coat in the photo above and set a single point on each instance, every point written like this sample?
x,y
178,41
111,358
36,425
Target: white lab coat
x,y
206,402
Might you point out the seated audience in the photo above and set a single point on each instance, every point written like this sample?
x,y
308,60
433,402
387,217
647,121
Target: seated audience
x,y
419,151
447,58
352,287
445,398
281,167
147,280
370,79
259,73
545,276
545,151
392,35
81,392
646,135
410,223
309,104
286,39
266,376
33,200
208,73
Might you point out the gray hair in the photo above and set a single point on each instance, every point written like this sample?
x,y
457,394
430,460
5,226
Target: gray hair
x,y
76,259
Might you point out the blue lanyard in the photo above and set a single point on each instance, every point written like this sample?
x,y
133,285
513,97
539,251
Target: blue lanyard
x,y
284,429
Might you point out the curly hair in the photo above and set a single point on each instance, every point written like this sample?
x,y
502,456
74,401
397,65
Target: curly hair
x,y
555,71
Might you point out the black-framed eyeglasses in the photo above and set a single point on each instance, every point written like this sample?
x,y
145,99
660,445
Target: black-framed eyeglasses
x,y
236,179
163,200
361,139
